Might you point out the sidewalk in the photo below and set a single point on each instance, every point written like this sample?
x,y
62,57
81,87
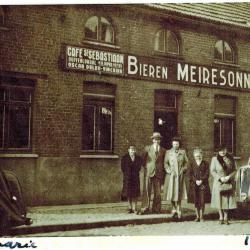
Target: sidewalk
x,y
86,216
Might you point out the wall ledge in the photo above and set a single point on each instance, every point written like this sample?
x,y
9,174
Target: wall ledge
x,y
99,156
237,157
4,28
19,155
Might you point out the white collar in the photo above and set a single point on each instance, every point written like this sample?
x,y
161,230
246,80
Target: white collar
x,y
132,156
198,163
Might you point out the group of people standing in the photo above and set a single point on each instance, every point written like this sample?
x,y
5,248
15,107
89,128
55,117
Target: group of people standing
x,y
168,169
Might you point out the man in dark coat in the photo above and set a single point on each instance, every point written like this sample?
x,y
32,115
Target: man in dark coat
x,y
131,165
12,208
154,174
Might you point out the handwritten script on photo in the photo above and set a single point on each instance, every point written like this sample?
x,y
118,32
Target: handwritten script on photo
x,y
12,245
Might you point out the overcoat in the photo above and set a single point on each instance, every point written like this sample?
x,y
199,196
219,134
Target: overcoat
x,y
176,165
221,201
131,180
195,173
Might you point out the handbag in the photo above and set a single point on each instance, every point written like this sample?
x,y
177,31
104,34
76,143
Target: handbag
x,y
226,188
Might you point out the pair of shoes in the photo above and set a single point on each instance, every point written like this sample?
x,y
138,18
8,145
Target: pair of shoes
x,y
173,212
28,221
130,211
227,222
221,222
197,219
175,216
142,212
179,214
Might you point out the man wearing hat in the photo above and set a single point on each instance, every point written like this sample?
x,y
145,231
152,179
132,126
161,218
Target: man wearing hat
x,y
154,174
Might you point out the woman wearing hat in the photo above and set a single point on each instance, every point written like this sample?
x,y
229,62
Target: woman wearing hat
x,y
176,163
223,171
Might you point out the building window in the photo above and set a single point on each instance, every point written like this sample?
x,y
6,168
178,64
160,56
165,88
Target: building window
x,y
223,52
224,122
166,41
15,117
166,115
1,16
98,119
100,29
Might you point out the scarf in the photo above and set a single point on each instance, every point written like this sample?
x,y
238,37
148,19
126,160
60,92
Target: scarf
x,y
227,163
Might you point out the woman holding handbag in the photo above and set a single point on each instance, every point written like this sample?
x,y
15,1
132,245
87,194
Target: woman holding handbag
x,y
223,171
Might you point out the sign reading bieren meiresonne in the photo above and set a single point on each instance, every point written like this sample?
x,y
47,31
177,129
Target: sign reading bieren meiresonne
x,y
157,69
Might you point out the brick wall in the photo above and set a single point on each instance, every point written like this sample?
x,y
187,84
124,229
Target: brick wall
x,y
33,44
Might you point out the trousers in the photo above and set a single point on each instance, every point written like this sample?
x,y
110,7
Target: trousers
x,y
151,183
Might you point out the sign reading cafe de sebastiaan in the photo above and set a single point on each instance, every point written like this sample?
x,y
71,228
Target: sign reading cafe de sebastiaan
x,y
169,71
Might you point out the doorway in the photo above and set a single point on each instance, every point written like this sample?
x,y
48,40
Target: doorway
x,y
166,124
166,116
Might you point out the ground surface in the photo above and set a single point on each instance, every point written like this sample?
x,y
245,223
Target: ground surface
x,y
237,227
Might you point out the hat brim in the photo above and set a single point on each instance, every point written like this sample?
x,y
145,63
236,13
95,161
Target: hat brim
x,y
155,137
176,139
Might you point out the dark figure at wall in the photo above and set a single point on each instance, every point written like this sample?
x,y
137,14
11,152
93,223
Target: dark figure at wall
x,y
12,207
199,191
131,165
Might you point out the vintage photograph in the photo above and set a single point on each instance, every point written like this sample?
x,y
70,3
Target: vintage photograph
x,y
124,119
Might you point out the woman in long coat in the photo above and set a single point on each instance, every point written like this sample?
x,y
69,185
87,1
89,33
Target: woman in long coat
x,y
176,163
199,191
131,165
223,171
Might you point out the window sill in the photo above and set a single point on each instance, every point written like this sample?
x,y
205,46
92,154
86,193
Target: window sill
x,y
18,155
237,158
101,44
99,156
168,55
233,65
3,28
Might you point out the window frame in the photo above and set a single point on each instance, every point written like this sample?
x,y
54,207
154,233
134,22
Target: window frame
x,y
99,30
7,103
175,35
226,116
233,52
2,17
98,101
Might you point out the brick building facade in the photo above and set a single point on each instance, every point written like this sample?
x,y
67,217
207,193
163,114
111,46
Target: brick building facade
x,y
79,83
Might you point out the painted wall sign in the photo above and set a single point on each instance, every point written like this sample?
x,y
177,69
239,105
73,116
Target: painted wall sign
x,y
170,71
78,58
157,69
